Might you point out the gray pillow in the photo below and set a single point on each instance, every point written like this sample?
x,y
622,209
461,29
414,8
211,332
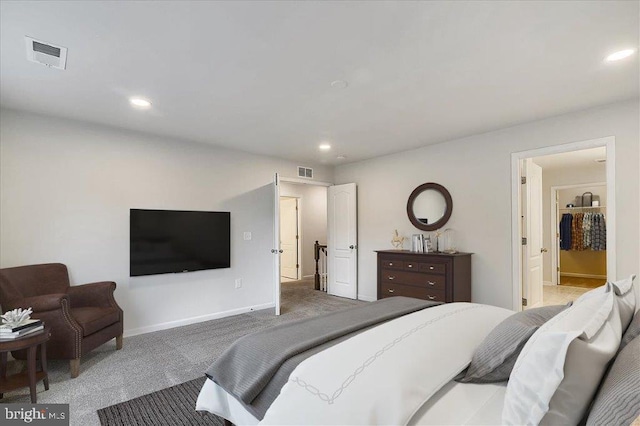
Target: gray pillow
x,y
618,401
632,332
494,359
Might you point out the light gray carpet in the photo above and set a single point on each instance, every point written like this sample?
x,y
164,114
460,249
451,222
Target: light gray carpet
x,y
159,360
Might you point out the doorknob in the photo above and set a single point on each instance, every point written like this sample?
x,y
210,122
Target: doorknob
x,y
280,251
353,247
543,250
274,251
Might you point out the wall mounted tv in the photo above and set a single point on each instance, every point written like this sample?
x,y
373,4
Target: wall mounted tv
x,y
168,241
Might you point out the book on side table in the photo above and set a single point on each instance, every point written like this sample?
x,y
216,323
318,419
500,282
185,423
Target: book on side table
x,y
30,326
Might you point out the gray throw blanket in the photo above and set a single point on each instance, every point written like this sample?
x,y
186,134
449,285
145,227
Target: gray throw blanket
x,y
256,366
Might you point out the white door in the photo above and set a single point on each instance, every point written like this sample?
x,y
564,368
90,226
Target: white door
x,y
342,240
289,238
532,250
276,241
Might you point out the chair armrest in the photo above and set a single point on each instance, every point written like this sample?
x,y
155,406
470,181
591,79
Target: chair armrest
x,y
98,294
45,302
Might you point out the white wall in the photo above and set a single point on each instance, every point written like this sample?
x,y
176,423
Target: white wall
x,y
476,171
66,190
566,176
313,208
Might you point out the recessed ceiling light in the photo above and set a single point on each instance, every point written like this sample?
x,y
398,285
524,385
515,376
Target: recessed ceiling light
x,y
324,147
620,55
140,102
339,84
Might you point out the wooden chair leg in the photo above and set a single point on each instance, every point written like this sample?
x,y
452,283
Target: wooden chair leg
x,y
74,366
119,342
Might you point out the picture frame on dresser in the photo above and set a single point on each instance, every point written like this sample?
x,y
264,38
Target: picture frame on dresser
x,y
441,277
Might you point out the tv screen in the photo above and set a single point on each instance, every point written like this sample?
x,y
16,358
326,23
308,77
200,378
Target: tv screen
x,y
167,241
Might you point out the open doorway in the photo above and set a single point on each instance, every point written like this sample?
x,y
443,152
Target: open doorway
x,y
290,240
303,222
564,238
583,263
337,211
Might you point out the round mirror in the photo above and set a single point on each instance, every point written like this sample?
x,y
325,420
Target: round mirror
x,y
429,206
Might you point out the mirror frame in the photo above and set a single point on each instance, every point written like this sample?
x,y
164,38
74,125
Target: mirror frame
x,y
447,213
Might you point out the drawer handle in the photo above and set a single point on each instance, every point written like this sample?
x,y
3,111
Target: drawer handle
x,y
409,266
431,297
391,277
431,283
431,268
390,290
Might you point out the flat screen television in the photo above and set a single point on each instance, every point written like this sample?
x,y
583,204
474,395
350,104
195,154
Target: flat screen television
x,y
169,241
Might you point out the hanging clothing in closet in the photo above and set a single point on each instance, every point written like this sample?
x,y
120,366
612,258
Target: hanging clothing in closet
x,y
582,231
577,232
599,233
565,231
586,229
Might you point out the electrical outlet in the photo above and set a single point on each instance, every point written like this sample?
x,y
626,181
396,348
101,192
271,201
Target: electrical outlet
x,y
247,236
238,282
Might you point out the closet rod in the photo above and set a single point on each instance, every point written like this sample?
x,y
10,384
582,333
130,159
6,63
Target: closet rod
x,y
581,208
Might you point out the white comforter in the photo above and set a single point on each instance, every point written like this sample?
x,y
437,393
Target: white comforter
x,y
384,375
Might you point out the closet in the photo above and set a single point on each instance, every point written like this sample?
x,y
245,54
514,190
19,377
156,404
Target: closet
x,y
581,236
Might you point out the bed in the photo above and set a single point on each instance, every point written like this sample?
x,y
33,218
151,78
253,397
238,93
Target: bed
x,y
402,371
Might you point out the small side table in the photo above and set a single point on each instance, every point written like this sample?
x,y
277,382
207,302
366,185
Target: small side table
x,y
29,342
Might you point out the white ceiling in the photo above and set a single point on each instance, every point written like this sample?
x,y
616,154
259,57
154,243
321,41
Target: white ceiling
x,y
256,76
585,158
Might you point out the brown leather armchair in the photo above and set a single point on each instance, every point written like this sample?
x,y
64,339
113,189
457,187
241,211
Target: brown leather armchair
x,y
81,317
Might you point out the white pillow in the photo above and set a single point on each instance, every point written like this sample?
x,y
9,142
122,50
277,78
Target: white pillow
x,y
625,298
560,367
591,293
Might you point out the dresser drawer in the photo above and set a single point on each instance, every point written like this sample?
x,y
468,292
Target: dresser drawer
x,y
402,277
391,276
390,290
394,264
411,266
434,282
433,268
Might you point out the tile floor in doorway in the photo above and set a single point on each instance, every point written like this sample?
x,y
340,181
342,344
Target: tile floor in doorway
x,y
561,294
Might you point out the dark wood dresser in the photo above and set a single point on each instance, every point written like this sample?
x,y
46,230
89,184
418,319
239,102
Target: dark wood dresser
x,y
431,276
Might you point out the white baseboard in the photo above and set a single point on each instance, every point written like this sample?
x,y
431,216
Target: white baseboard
x,y
307,276
548,283
193,320
366,298
573,274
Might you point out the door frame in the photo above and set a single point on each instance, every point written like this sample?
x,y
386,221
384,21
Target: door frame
x,y
516,211
279,179
298,233
555,241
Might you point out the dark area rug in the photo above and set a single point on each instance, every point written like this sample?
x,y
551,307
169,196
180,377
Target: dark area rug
x,y
171,406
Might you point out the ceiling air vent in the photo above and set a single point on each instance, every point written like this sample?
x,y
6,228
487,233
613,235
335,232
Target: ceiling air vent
x,y
46,53
305,172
